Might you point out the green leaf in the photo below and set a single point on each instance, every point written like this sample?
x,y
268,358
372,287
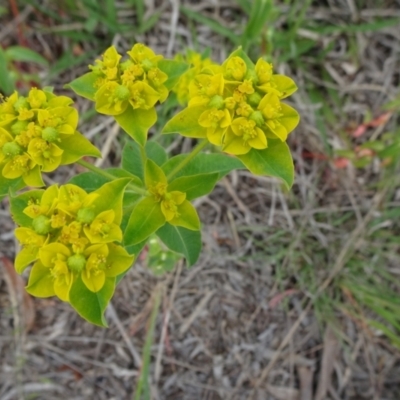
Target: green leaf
x,y
24,258
40,283
194,186
286,85
174,69
156,152
154,174
145,219
121,173
19,53
290,118
6,81
7,185
188,217
186,123
137,122
392,150
75,147
89,181
204,164
20,202
260,13
110,197
89,305
275,160
84,85
132,160
181,240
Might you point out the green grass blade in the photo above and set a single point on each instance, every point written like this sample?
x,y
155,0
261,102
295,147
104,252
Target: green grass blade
x,y
212,24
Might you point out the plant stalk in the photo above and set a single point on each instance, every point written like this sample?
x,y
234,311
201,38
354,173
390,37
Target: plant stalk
x,y
187,159
107,175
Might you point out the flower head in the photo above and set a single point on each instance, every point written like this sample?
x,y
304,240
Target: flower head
x,y
71,234
36,133
237,106
136,82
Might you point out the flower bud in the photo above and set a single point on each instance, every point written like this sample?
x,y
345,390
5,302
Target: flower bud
x,y
49,134
147,64
41,225
257,117
85,215
216,102
254,99
76,263
18,127
122,93
11,149
252,75
22,102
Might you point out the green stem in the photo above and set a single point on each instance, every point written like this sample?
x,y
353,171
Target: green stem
x,y
187,159
107,175
143,155
143,382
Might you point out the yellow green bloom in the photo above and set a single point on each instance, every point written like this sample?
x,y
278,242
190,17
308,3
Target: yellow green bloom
x,y
136,82
244,135
38,134
216,121
70,235
197,63
237,106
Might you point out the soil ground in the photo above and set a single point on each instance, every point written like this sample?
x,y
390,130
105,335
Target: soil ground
x,y
272,310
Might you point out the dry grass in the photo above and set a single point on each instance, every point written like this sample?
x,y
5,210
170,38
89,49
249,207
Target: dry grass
x,y
265,313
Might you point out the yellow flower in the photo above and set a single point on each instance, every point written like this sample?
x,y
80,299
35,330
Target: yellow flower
x,y
72,198
112,98
197,65
36,98
143,96
45,154
243,135
31,242
264,71
103,229
37,134
280,119
216,121
140,53
7,110
22,166
55,257
108,66
235,68
170,204
70,237
204,87
246,87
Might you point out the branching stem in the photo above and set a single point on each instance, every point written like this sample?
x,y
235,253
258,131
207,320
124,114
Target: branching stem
x,y
107,175
187,159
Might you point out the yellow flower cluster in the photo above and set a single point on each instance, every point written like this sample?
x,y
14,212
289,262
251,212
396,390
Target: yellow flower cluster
x,y
237,106
197,63
137,81
70,235
36,134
